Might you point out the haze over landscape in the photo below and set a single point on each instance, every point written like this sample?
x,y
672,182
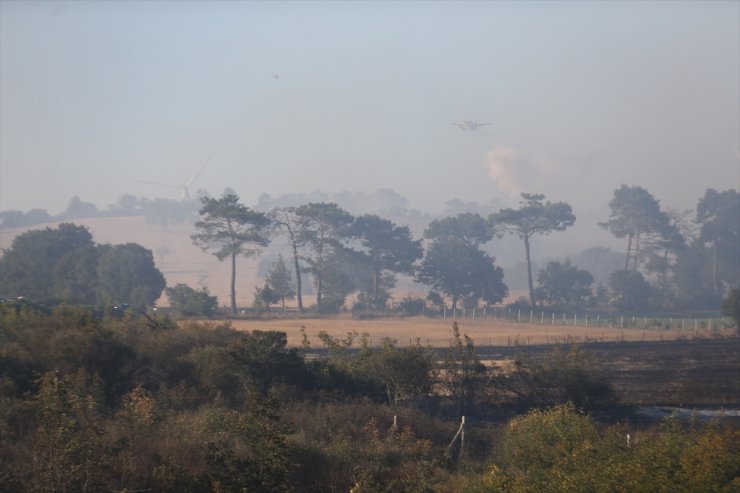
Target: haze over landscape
x,y
348,101
97,97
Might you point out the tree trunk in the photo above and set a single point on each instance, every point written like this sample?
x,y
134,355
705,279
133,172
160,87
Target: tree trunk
x,y
233,283
629,249
715,269
376,280
297,277
532,299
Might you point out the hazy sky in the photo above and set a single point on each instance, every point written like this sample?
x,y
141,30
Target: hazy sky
x,y
96,97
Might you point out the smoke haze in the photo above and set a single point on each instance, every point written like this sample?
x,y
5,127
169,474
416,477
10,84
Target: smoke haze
x,y
100,99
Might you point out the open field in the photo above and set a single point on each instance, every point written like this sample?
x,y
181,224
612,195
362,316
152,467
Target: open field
x,y
484,332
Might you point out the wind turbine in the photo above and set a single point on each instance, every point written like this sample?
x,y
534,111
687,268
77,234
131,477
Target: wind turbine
x,y
184,186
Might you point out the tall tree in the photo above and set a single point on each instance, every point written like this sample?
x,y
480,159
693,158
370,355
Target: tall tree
x,y
288,221
229,229
461,270
636,215
533,217
718,214
323,228
386,247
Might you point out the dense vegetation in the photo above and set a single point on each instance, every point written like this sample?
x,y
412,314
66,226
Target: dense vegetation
x,y
129,402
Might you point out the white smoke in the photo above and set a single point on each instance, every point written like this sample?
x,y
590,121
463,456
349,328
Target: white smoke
x,y
515,171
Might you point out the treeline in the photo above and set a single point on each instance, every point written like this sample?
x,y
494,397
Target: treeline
x,y
672,262
130,403
159,211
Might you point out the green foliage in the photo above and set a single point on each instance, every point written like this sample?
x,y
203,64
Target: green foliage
x,y
561,450
404,373
230,229
629,290
190,302
322,228
64,265
533,217
265,296
636,215
564,285
111,404
461,270
126,274
717,213
280,281
387,249
468,226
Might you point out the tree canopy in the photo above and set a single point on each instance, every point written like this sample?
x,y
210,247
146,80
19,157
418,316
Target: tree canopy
x,y
385,247
65,265
462,271
322,228
564,285
229,229
533,217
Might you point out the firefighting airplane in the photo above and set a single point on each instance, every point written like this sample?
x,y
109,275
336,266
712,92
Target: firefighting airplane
x,y
469,125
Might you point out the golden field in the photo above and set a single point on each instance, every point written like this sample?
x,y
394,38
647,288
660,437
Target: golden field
x,y
438,332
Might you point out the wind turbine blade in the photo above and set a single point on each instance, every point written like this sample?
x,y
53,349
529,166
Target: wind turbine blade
x,y
192,179
161,184
737,151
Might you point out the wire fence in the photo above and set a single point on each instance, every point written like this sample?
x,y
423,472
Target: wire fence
x,y
585,319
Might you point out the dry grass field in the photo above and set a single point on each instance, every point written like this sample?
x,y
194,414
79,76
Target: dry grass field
x,y
438,332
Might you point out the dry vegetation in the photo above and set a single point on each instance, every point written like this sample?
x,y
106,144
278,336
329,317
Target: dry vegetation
x,y
437,332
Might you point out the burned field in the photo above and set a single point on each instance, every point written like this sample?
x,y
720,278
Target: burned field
x,y
685,373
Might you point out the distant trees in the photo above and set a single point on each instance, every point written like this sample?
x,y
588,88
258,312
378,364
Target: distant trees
x,y
461,270
191,302
636,215
564,285
533,217
629,290
126,274
323,227
718,215
280,281
229,229
290,223
65,265
386,248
